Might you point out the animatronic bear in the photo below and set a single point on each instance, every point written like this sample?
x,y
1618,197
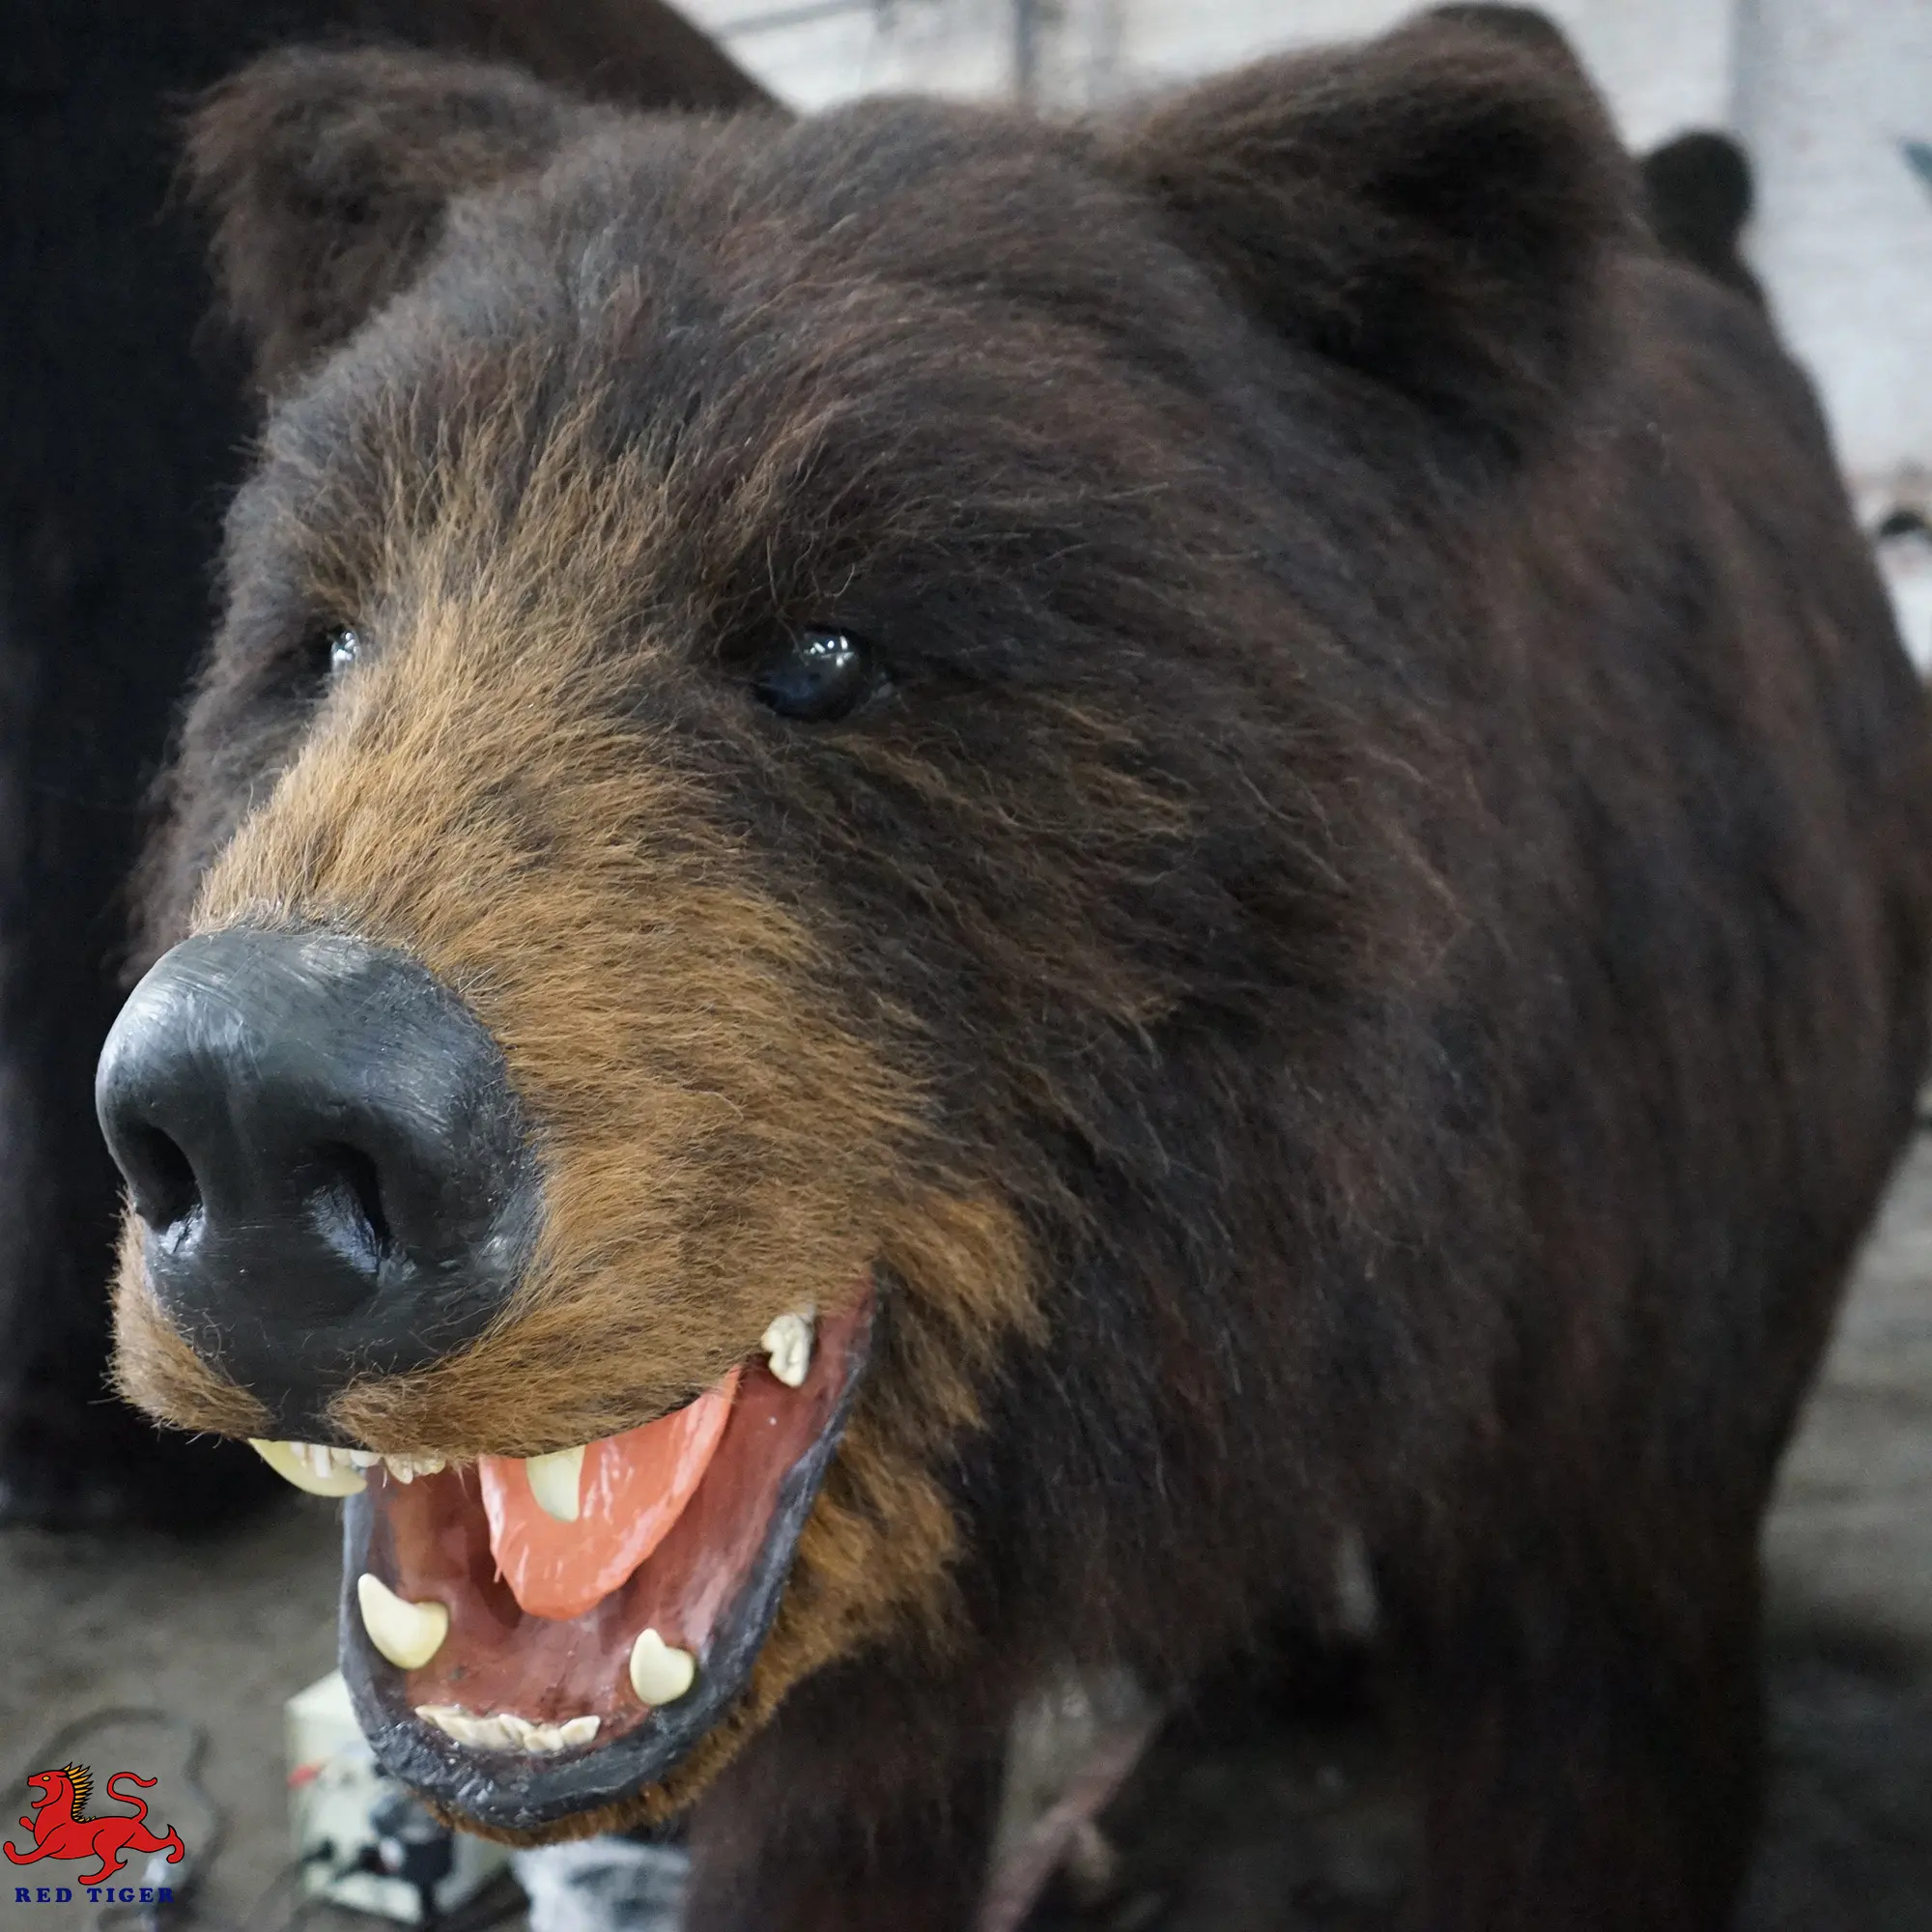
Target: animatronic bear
x,y
955,895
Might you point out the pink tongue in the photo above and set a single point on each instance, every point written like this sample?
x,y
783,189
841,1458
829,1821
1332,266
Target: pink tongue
x,y
632,1489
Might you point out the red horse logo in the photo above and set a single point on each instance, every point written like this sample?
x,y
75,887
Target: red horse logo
x,y
61,1832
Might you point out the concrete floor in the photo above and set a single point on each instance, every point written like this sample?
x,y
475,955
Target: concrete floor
x,y
1226,1835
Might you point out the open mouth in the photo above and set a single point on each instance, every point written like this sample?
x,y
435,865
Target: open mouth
x,y
524,1640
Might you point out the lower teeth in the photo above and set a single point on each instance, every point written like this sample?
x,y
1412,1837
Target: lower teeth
x,y
506,1731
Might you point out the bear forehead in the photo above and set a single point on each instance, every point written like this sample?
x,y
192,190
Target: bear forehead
x,y
750,210
949,258
859,367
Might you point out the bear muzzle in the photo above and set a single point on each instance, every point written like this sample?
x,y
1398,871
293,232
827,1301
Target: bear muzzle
x,y
332,1179
329,1165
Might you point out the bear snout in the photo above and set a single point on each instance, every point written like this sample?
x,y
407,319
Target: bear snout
x,y
326,1156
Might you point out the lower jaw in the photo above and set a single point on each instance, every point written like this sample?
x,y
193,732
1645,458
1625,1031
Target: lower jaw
x,y
713,1587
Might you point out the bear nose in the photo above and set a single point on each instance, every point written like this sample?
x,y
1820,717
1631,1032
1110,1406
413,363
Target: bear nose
x,y
326,1157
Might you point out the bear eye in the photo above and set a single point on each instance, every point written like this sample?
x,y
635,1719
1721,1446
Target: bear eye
x,y
328,651
342,645
818,676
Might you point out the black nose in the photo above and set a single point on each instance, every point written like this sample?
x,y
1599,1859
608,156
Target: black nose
x,y
324,1147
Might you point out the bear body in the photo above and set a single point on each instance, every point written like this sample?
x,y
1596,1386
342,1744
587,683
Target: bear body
x,y
1236,770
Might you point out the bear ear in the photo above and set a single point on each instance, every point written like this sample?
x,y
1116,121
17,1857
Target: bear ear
x,y
328,174
1697,191
1433,209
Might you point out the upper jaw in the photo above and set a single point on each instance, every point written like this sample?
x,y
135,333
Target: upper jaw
x,y
337,1469
518,1793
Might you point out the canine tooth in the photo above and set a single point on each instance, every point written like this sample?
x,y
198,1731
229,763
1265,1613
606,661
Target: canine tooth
x,y
660,1672
788,1344
292,1461
408,1634
577,1731
553,1482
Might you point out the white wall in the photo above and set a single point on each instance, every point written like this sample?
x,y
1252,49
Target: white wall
x,y
833,50
1826,91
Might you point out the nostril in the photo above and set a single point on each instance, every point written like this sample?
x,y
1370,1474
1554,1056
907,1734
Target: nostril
x,y
160,1176
364,1183
330,1162
351,1216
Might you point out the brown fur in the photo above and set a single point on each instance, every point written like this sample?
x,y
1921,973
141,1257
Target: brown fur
x,y
684,1084
1362,978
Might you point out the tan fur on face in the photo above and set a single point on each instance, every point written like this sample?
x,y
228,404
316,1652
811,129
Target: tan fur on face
x,y
718,1142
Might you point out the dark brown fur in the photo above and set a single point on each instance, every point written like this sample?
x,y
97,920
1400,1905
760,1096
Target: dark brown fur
x,y
1363,978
